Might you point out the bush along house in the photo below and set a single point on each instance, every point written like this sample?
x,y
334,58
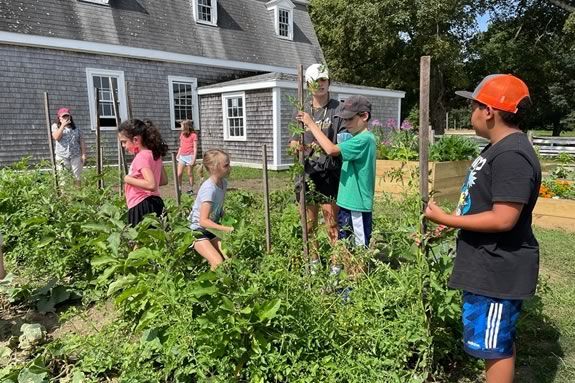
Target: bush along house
x,y
165,61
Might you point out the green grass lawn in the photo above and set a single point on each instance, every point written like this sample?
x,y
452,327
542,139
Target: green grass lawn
x,y
548,133
546,333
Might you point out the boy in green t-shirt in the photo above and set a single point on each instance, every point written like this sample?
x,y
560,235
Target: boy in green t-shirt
x,y
357,180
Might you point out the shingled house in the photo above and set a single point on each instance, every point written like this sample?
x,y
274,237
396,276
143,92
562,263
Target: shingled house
x,y
154,55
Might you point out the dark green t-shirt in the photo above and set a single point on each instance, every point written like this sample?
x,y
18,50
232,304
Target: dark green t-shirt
x,y
357,180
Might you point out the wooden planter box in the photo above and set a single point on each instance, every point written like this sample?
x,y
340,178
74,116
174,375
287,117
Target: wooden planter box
x,y
445,180
555,213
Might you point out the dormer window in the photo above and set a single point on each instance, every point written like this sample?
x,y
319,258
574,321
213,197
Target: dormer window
x,y
283,17
206,11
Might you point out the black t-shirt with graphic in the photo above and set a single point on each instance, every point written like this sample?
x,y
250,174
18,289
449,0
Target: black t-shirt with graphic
x,y
330,125
500,265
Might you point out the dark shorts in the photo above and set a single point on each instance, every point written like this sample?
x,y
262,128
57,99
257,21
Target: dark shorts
x,y
354,223
203,234
152,204
489,325
325,186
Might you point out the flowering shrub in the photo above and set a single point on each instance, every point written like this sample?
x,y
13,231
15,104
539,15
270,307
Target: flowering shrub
x,y
561,181
402,143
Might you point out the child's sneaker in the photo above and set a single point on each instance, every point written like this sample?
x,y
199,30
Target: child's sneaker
x,y
344,293
314,266
334,271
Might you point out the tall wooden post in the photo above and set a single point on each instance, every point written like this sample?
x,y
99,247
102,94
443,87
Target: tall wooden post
x,y
424,83
51,142
175,173
102,183
302,207
2,267
119,144
266,199
98,142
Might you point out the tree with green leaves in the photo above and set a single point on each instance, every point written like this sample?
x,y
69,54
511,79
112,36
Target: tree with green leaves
x,y
530,40
380,43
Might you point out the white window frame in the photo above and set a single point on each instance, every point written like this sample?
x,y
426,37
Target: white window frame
x,y
122,99
225,98
99,2
290,24
284,5
195,106
214,13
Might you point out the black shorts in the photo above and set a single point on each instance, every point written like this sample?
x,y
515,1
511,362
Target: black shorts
x,y
152,204
202,234
326,185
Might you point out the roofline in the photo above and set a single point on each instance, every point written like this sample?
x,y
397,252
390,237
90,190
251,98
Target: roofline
x,y
21,39
292,85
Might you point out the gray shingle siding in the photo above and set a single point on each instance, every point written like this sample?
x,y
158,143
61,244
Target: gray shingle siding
x,y
28,72
259,126
245,30
383,108
287,111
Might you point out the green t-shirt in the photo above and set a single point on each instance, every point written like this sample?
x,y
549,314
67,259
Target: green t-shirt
x,y
357,181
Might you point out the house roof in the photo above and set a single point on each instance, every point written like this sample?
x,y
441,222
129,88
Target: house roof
x,y
245,31
284,80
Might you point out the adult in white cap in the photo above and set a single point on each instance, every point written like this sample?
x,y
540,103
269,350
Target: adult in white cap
x,y
322,171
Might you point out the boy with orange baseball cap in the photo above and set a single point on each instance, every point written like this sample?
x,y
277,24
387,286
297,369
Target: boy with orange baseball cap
x,y
497,261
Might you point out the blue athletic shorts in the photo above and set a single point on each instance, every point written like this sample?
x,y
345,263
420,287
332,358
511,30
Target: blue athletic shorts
x,y
489,325
356,223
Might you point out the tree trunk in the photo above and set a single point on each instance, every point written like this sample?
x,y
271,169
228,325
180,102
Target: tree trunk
x,y
556,129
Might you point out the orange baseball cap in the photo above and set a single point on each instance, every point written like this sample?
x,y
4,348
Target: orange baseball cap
x,y
499,91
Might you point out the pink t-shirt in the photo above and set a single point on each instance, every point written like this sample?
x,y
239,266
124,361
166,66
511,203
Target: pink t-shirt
x,y
144,159
188,144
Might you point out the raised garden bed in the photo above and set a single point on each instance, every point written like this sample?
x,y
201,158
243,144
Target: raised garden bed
x,y
445,179
555,213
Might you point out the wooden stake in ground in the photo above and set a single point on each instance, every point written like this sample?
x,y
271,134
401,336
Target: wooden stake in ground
x,y
424,81
302,207
120,148
51,142
2,268
175,172
98,143
266,199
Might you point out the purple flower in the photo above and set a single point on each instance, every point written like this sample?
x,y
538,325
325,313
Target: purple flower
x,y
391,123
376,122
406,125
386,142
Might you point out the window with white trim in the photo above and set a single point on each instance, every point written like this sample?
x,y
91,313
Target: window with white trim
x,y
183,101
105,82
100,2
283,17
206,11
234,110
284,24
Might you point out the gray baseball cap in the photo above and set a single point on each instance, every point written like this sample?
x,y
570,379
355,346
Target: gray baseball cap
x,y
353,106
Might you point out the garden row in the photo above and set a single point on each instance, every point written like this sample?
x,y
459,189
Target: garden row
x,y
258,318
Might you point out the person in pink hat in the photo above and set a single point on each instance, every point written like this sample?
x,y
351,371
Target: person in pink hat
x,y
70,147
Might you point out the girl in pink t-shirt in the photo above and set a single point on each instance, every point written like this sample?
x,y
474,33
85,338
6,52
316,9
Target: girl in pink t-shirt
x,y
187,152
147,172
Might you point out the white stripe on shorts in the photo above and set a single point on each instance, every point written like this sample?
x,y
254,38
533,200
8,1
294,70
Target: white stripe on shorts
x,y
493,322
358,229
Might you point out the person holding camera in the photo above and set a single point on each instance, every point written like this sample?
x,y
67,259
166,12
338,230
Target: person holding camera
x,y
70,146
321,171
